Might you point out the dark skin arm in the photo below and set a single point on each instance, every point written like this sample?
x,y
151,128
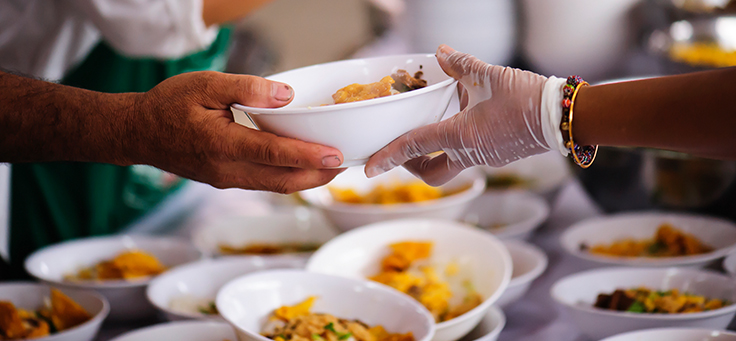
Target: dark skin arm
x,y
183,125
692,113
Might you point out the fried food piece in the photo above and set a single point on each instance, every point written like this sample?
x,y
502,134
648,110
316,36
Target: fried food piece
x,y
404,82
360,92
136,263
398,193
65,313
289,312
667,242
11,323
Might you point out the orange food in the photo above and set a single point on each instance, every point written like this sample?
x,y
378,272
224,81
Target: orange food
x,y
667,242
359,92
128,265
63,313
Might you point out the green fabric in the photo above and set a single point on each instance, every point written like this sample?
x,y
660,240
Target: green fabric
x,y
53,202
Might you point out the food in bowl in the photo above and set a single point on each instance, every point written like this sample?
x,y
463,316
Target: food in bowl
x,y
667,242
646,300
502,181
60,313
298,323
394,193
707,54
268,248
400,81
128,265
407,269
190,304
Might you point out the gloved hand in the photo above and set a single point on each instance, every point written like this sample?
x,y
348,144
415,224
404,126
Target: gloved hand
x,y
502,120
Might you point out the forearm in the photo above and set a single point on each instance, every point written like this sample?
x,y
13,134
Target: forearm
x,y
42,122
222,11
693,113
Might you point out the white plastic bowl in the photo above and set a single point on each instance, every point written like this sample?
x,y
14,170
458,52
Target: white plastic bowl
x,y
577,294
203,279
31,296
293,225
489,327
529,263
357,129
358,253
348,216
729,264
545,173
718,233
517,213
182,331
127,298
675,334
246,302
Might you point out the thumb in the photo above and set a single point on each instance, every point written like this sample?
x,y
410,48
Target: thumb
x,y
253,91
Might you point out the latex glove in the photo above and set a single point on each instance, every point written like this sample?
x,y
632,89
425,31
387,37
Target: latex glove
x,y
502,120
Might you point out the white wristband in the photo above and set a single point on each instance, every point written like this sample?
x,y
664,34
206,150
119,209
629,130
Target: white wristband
x,y
552,114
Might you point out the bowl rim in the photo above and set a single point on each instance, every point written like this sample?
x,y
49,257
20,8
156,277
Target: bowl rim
x,y
565,240
420,309
201,232
622,314
673,329
522,198
206,264
97,319
110,284
475,190
729,264
173,324
497,314
487,302
542,261
343,106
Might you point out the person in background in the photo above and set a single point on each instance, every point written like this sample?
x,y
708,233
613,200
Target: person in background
x,y
509,114
111,46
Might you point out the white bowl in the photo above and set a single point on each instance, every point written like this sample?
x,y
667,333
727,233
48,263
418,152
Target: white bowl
x,y
577,294
201,280
357,129
358,253
31,296
718,233
517,213
182,331
729,264
293,225
489,327
127,298
545,173
248,301
529,263
348,216
675,334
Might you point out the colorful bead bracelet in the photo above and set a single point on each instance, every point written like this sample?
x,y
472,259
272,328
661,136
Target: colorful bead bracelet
x,y
582,155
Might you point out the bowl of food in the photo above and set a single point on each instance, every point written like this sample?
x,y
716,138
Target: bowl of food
x,y
651,239
296,231
357,106
292,305
352,200
182,331
529,263
543,174
118,267
37,311
605,302
508,215
188,291
455,270
675,334
489,327
729,264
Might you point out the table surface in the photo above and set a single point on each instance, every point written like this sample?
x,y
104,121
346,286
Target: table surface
x,y
536,316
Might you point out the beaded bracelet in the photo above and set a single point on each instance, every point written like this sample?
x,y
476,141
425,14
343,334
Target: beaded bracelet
x,y
582,155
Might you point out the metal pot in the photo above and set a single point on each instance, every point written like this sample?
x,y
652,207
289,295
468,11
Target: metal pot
x,y
623,179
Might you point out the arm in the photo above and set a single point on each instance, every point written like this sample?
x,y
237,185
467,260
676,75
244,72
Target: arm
x,y
509,114
692,113
183,125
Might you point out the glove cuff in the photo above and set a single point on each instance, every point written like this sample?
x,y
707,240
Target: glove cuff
x,y
551,111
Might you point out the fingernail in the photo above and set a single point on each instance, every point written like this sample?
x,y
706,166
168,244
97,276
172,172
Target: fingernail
x,y
331,161
281,91
374,171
